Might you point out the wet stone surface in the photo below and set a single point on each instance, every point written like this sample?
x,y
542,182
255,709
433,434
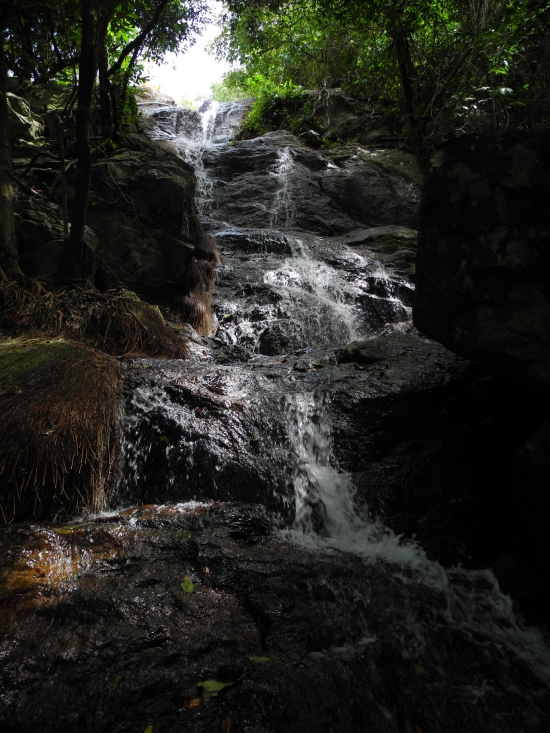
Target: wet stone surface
x,y
313,500
200,618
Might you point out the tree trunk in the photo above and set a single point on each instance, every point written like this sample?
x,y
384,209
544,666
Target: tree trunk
x,y
87,72
104,92
8,243
408,78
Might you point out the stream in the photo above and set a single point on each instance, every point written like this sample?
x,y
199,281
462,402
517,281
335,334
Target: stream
x,y
246,579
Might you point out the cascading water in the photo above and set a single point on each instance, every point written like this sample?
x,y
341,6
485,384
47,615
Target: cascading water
x,y
326,519
331,622
284,208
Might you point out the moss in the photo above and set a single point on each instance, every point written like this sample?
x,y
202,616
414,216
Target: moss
x,y
23,359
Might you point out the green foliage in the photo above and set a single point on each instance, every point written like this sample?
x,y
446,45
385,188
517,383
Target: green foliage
x,y
428,67
278,106
213,687
187,586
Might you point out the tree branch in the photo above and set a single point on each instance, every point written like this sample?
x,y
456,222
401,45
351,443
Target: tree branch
x,y
138,41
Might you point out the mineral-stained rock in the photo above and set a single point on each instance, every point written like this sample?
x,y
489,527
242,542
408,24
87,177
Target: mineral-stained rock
x,y
483,264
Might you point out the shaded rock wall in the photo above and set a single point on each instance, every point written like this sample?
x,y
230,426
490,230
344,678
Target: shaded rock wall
x,y
483,267
143,229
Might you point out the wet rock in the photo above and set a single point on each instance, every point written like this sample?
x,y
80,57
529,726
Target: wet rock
x,y
274,339
191,438
394,246
266,634
483,265
323,197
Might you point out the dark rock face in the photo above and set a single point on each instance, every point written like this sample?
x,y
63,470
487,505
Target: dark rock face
x,y
143,230
483,263
142,210
322,197
531,491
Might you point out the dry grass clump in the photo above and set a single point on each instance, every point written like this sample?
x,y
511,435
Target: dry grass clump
x,y
60,428
117,321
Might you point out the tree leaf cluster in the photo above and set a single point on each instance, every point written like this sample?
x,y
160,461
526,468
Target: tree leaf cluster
x,y
429,68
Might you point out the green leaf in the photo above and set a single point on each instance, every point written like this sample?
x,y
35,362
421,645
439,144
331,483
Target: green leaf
x,y
186,535
116,681
67,529
149,729
187,585
213,686
259,660
164,439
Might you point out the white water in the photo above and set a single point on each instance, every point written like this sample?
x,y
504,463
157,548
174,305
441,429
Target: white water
x,y
319,300
326,520
283,215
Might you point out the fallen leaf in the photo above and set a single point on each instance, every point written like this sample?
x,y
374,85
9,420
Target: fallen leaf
x,y
213,686
194,702
259,660
67,529
187,585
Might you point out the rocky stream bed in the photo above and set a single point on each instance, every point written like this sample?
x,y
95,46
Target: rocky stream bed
x,y
312,521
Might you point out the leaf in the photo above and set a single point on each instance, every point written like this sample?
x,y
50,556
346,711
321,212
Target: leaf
x,y
66,529
116,681
164,439
259,660
213,686
149,729
186,535
194,702
187,585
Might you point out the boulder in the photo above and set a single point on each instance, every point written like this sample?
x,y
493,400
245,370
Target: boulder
x,y
23,123
483,264
142,210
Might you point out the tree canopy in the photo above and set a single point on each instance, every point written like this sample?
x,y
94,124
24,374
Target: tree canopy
x,y
434,66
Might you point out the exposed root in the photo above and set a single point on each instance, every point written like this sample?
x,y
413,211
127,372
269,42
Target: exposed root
x,y
117,321
196,307
60,428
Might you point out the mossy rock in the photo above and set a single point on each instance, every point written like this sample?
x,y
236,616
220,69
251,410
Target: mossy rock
x,y
60,428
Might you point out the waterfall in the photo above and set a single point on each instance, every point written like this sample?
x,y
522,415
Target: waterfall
x,y
283,215
319,300
326,520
